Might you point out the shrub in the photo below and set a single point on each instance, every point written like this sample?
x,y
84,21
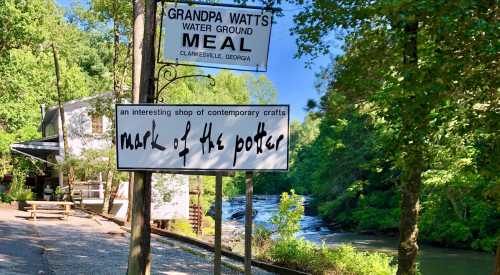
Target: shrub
x,y
182,227
349,261
303,255
23,195
306,256
293,253
261,240
208,226
18,191
5,197
290,211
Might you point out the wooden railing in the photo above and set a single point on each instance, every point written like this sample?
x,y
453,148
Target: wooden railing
x,y
88,189
195,218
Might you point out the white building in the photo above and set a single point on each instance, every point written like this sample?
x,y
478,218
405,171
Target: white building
x,y
87,130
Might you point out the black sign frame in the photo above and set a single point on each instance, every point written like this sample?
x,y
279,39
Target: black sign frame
x,y
159,59
194,170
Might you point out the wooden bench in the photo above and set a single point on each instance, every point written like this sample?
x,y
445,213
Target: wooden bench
x,y
62,207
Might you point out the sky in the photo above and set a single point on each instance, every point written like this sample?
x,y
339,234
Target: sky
x,y
293,81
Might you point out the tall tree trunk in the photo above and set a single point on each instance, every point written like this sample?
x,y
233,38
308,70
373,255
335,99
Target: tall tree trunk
x,y
114,192
413,161
137,51
116,56
138,34
107,192
497,265
55,53
139,262
116,94
125,66
130,196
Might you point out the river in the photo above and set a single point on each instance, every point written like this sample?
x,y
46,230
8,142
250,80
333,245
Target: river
x,y
432,260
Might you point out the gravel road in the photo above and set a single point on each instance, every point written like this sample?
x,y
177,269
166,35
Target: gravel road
x,y
86,244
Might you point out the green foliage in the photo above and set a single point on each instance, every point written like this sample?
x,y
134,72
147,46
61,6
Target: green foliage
x,y
304,255
350,261
208,226
5,197
18,190
297,254
261,240
382,120
182,227
22,195
58,191
229,88
290,211
27,67
20,23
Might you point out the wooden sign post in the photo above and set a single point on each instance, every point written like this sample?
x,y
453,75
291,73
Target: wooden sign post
x,y
218,224
249,138
139,259
248,223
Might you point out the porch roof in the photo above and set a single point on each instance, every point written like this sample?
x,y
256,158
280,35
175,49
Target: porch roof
x,y
38,149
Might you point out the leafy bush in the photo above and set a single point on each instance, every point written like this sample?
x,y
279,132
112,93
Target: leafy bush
x,y
303,255
290,211
23,195
293,253
5,197
182,227
208,226
460,214
350,261
18,191
261,240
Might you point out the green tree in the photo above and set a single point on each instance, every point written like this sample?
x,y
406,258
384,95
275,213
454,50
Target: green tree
x,y
290,211
413,64
27,66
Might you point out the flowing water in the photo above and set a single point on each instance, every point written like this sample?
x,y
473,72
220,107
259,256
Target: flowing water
x,y
432,260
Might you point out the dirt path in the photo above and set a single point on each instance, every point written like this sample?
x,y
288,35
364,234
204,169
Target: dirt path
x,y
86,244
21,251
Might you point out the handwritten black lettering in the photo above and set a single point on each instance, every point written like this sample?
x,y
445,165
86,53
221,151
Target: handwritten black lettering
x,y
207,137
154,140
248,143
280,138
138,142
261,133
185,151
126,140
219,143
238,147
269,144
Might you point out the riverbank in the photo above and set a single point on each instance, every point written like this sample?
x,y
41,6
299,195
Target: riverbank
x,y
432,259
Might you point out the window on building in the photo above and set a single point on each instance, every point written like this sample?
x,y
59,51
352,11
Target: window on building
x,y
96,124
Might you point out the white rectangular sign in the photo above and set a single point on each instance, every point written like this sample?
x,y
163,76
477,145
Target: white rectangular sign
x,y
202,137
169,197
216,35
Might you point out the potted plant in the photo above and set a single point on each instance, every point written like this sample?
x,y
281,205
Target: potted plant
x,y
58,193
21,196
18,191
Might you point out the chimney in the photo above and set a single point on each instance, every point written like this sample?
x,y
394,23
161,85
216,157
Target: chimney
x,y
42,116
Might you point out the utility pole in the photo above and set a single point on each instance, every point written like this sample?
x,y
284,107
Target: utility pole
x,y
139,262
